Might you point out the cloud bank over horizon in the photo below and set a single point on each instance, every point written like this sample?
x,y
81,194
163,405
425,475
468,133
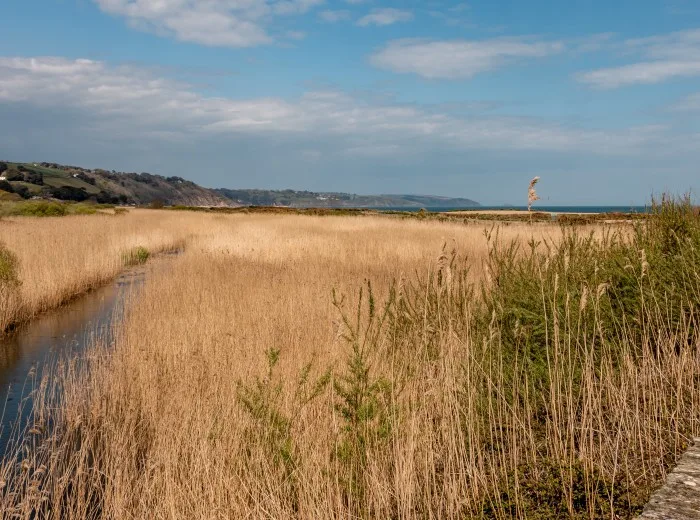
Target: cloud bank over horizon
x,y
398,100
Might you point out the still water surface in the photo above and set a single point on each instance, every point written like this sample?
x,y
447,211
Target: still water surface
x,y
65,331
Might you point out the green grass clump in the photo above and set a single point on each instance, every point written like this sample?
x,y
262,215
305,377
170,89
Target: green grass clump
x,y
9,285
8,267
39,209
46,208
82,209
136,256
6,196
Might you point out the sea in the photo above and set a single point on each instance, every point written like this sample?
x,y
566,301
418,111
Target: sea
x,y
548,209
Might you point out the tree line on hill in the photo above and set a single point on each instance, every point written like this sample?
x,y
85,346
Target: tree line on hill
x,y
22,174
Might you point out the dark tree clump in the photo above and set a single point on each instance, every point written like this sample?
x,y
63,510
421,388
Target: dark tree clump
x,y
69,193
6,186
23,192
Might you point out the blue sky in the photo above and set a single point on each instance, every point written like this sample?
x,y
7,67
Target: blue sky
x,y
600,99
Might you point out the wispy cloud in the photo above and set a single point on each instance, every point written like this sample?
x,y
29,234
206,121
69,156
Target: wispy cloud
x,y
689,103
659,58
135,102
385,16
332,16
640,73
221,23
296,35
459,58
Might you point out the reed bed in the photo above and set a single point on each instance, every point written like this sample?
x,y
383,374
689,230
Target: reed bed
x,y
360,367
59,258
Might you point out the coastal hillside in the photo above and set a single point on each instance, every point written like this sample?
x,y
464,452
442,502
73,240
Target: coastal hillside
x,y
310,199
74,183
52,180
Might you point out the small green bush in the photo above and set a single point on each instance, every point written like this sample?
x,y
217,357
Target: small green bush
x,y
137,256
270,434
9,285
8,267
40,208
46,208
81,209
6,196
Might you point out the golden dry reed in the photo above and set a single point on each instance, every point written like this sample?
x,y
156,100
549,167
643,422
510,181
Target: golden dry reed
x,y
241,385
62,257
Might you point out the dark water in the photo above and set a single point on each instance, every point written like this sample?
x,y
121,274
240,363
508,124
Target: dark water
x,y
549,209
66,331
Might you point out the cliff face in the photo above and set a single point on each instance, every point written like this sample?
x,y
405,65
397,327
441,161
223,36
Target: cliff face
x,y
145,188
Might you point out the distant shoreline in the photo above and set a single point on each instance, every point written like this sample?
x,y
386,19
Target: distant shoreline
x,y
520,209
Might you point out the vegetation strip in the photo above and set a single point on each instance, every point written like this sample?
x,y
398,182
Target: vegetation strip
x,y
65,259
547,373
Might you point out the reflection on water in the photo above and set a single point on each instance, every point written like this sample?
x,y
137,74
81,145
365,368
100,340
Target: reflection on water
x,y
64,331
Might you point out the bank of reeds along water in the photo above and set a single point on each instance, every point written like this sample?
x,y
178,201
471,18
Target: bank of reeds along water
x,y
561,381
47,261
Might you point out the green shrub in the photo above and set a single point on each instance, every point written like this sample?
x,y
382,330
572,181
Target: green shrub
x,y
6,196
271,428
363,401
46,208
82,209
8,267
9,285
137,256
531,288
41,208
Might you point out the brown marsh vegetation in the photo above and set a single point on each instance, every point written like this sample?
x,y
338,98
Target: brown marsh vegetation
x,y
58,258
366,367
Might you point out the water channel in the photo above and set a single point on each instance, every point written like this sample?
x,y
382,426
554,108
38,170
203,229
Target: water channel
x,y
50,337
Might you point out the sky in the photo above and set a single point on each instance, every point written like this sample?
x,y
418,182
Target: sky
x,y
599,98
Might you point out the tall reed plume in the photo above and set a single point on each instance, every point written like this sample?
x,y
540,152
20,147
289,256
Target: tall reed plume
x,y
532,196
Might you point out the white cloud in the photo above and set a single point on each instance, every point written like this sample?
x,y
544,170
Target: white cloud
x,y
664,57
221,23
458,58
689,103
677,46
331,16
385,16
640,73
132,101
